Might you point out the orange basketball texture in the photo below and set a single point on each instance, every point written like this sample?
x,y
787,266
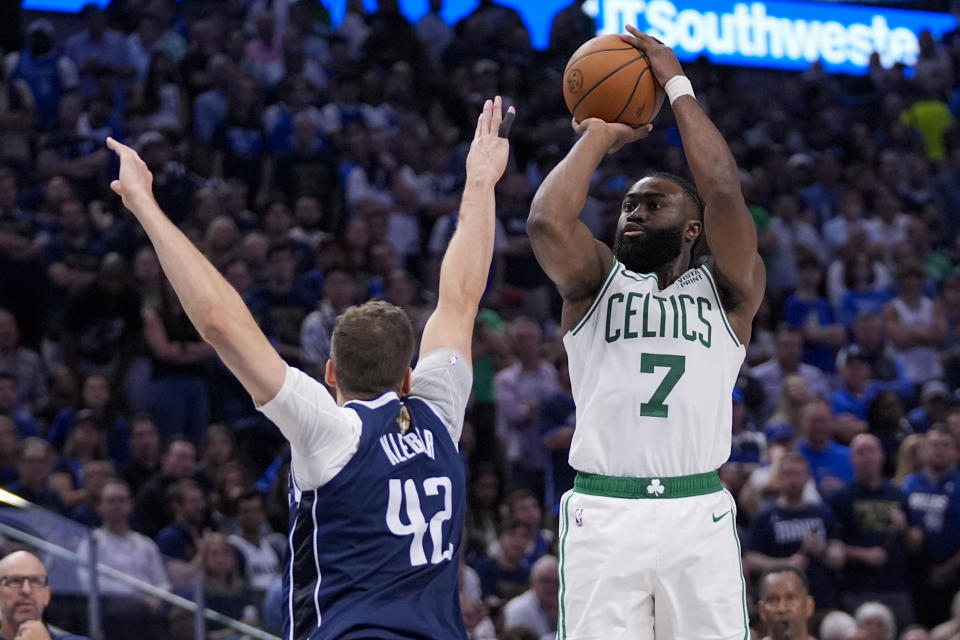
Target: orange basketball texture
x,y
608,79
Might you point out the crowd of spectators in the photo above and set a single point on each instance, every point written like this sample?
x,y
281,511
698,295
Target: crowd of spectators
x,y
319,167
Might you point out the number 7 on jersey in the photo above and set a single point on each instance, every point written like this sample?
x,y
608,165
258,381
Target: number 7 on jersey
x,y
676,365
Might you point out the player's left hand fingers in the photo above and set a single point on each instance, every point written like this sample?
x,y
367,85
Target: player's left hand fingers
x,y
496,115
504,129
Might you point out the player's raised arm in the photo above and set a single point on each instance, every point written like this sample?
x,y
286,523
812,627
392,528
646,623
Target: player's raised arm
x,y
731,233
566,250
212,304
463,273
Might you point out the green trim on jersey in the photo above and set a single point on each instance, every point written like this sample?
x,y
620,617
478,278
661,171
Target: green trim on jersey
x,y
723,312
743,584
563,539
697,484
639,277
596,301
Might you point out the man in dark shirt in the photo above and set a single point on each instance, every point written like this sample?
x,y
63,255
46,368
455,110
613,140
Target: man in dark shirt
x,y
794,532
508,574
102,322
933,500
876,534
179,461
144,452
179,539
36,465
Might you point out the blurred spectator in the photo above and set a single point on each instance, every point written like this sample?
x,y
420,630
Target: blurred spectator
x,y
810,313
339,292
479,626
916,326
280,306
875,621
83,445
178,394
224,590
74,254
521,388
97,404
96,474
794,396
508,574
871,512
909,458
9,390
556,417
9,451
178,462
829,461
137,556
45,70
838,625
786,359
22,240
887,420
537,608
863,294
915,632
522,505
35,466
933,501
869,336
483,517
857,390
803,535
188,504
948,630
101,323
239,143
144,459
934,402
98,48
260,548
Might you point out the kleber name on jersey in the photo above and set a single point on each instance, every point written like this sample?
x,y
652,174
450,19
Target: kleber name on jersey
x,y
402,447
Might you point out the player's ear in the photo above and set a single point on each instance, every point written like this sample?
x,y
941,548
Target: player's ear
x,y
811,607
693,230
329,375
407,382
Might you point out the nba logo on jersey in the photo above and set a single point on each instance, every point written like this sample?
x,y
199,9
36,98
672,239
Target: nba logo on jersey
x,y
452,361
578,516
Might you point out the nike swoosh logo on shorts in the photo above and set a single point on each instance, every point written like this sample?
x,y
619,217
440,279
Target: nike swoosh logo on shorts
x,y
720,517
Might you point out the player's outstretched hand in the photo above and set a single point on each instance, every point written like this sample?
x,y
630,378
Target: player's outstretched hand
x,y
135,181
663,60
618,134
489,150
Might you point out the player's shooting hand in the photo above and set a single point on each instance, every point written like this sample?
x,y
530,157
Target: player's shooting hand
x,y
663,60
617,133
489,150
135,181
32,630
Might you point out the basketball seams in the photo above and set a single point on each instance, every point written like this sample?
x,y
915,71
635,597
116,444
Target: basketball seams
x,y
604,79
590,53
633,93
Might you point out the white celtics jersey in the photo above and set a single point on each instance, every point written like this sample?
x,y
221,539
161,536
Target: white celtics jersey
x,y
652,374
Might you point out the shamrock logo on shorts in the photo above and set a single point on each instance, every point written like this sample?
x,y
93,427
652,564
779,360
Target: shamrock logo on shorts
x,y
655,487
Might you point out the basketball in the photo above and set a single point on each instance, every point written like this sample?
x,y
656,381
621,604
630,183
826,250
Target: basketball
x,y
606,78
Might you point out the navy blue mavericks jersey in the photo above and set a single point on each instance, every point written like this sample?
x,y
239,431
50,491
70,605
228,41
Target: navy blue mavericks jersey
x,y
376,550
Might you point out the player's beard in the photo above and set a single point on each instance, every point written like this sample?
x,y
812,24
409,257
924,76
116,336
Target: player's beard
x,y
648,252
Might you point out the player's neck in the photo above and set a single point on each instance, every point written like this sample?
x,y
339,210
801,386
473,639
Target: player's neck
x,y
668,273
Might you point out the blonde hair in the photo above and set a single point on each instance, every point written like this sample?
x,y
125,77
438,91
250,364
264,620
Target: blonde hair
x,y
908,458
234,581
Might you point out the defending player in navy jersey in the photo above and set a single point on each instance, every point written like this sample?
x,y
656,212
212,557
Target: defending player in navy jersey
x,y
377,485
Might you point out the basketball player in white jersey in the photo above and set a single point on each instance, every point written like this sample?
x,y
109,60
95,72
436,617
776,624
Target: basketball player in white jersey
x,y
647,536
